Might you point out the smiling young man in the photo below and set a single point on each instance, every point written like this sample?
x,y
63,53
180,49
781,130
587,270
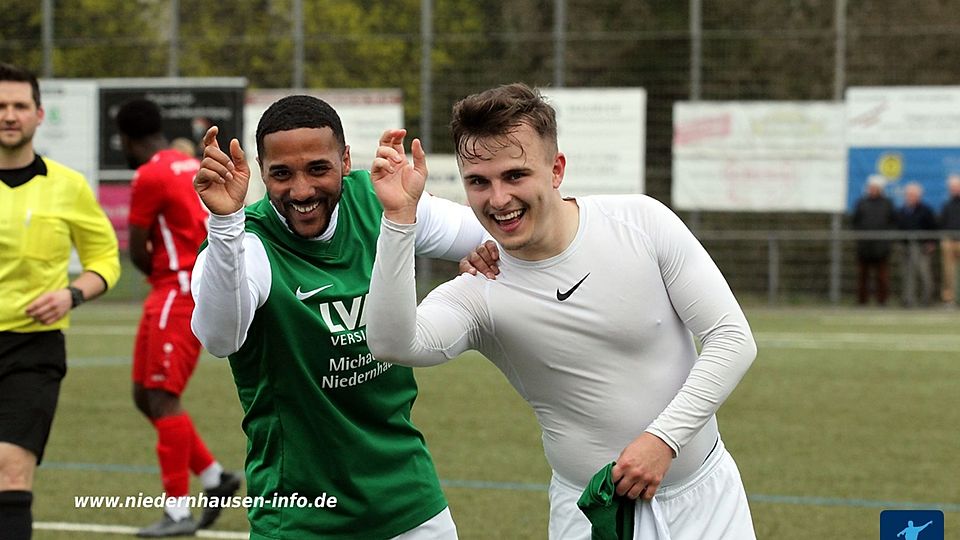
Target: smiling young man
x,y
45,208
281,289
590,320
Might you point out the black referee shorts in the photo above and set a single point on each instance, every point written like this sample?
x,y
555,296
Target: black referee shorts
x,y
32,364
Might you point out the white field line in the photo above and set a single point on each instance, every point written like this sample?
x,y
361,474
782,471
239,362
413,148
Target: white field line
x,y
863,341
94,528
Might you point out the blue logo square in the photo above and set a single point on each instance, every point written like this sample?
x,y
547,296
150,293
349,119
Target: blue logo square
x,y
911,525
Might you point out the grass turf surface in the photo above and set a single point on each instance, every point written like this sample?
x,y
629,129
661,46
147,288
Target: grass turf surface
x,y
845,412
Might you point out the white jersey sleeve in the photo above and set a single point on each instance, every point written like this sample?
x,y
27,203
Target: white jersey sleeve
x,y
446,230
231,279
704,302
397,332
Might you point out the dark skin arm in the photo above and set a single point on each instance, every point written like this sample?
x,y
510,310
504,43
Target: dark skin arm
x,y
141,252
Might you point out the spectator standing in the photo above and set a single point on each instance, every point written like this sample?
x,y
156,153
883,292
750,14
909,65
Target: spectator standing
x,y
874,212
915,215
950,244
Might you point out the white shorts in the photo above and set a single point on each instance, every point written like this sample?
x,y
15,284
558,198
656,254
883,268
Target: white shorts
x,y
439,527
710,503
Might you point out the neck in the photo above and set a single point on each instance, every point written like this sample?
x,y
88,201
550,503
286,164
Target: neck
x,y
564,221
16,158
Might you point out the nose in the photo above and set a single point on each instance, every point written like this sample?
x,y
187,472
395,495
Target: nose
x,y
499,195
301,188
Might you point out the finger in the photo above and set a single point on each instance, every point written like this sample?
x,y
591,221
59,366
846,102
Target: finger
x,y
493,249
388,152
382,166
650,491
390,135
466,267
216,154
211,173
238,156
210,138
419,157
636,491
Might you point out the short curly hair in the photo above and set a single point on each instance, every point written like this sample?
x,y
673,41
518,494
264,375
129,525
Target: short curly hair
x,y
299,111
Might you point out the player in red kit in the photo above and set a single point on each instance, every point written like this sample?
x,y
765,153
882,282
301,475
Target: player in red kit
x,y
167,226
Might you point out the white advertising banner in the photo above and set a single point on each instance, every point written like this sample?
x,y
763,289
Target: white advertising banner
x,y
759,156
903,116
602,131
68,133
365,115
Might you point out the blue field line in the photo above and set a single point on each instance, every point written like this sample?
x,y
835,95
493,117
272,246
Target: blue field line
x,y
524,486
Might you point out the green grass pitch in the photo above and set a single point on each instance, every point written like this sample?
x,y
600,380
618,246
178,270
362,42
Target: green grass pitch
x,y
845,413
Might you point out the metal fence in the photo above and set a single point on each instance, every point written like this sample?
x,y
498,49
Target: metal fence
x,y
699,49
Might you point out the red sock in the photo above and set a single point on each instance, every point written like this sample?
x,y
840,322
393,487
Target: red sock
x,y
200,457
173,451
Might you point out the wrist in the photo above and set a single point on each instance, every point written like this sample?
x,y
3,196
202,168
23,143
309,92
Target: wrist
x,y
76,296
405,216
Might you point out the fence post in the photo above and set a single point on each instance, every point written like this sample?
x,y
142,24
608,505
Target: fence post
x,y
559,41
773,268
48,38
298,79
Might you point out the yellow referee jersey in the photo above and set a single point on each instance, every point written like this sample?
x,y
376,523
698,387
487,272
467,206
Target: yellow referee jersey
x,y
39,221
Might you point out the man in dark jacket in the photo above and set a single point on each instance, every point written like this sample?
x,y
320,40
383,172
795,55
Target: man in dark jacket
x,y
915,215
950,244
874,212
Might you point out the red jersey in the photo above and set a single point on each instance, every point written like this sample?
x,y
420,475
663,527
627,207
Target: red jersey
x,y
163,202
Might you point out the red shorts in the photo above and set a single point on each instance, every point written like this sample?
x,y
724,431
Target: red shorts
x,y
165,353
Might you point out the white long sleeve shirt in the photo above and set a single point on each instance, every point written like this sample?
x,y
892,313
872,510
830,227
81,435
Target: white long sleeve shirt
x,y
232,277
597,339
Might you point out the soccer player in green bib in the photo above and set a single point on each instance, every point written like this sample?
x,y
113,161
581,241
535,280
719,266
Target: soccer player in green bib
x,y
281,290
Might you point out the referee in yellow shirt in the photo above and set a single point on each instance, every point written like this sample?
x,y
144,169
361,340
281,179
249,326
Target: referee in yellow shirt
x,y
44,209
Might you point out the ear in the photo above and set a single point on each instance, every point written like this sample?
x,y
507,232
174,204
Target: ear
x,y
41,113
559,166
346,160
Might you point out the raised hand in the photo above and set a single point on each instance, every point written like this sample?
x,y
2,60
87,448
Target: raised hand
x,y
222,180
397,182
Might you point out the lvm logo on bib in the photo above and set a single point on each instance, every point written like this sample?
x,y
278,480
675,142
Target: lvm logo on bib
x,y
911,525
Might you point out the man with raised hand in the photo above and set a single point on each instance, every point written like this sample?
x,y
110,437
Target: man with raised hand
x,y
590,320
281,290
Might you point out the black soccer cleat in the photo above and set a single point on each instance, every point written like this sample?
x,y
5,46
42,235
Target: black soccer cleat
x,y
167,527
229,485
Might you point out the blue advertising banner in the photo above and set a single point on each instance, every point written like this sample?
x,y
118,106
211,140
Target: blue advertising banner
x,y
929,167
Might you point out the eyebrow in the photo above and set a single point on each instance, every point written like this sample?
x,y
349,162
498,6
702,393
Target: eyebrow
x,y
324,162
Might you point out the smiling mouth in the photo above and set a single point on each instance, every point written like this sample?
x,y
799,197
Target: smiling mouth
x,y
509,216
305,208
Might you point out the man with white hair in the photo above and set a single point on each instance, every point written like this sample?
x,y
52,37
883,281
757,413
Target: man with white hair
x,y
915,215
874,212
950,243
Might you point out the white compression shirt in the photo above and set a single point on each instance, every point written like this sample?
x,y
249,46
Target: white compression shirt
x,y
597,339
232,277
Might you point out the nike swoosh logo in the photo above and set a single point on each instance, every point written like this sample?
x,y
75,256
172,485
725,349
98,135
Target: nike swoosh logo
x,y
561,296
304,295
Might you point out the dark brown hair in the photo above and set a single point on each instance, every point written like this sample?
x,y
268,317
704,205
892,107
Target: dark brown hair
x,y
12,73
486,121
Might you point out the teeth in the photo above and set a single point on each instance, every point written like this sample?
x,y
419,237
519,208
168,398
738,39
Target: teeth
x,y
305,209
507,217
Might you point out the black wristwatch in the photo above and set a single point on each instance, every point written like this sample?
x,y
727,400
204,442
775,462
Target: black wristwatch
x,y
76,296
